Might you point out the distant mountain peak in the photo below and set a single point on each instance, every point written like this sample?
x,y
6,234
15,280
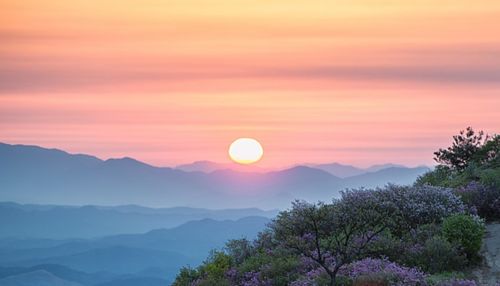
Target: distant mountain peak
x,y
57,177
378,167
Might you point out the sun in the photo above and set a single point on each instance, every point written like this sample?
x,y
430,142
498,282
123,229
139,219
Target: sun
x,y
245,151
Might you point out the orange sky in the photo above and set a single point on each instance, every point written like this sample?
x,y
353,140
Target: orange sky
x,y
169,82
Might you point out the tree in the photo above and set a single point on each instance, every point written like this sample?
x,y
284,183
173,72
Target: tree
x,y
463,150
186,276
489,154
239,249
333,235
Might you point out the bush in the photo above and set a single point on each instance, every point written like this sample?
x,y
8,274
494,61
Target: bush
x,y
472,157
450,279
441,176
419,205
466,231
490,177
444,277
335,234
485,200
381,270
212,272
186,276
400,222
275,268
435,255
458,282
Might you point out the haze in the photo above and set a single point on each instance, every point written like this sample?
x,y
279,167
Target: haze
x,y
177,81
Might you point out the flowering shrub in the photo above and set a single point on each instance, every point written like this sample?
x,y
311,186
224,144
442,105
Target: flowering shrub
x,y
262,268
394,273
420,205
481,199
335,234
328,244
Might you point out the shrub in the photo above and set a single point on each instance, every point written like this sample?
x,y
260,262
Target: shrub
x,y
436,279
217,265
466,231
441,176
380,270
450,279
490,177
239,249
333,235
419,205
211,272
483,199
458,282
186,276
262,268
390,246
473,156
435,255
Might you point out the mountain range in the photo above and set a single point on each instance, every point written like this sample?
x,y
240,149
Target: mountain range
x,y
31,174
131,259
77,220
65,222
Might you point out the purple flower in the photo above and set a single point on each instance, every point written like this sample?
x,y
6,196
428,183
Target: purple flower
x,y
398,275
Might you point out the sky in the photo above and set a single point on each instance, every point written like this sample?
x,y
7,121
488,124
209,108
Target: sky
x,y
171,82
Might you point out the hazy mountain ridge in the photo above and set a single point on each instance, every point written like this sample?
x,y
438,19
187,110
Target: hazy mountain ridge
x,y
155,254
28,171
36,277
63,222
160,240
335,168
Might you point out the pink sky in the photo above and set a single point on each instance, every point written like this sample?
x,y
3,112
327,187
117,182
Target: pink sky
x,y
170,82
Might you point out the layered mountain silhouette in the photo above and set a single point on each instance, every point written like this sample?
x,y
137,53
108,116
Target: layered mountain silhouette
x,y
64,222
37,175
127,258
77,220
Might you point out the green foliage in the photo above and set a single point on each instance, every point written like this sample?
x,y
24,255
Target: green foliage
x,y
490,177
413,228
239,250
441,176
186,276
281,271
437,278
466,231
338,232
464,149
216,265
211,272
473,157
489,153
436,255
423,247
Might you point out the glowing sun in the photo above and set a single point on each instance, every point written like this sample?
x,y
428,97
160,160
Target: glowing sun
x,y
245,151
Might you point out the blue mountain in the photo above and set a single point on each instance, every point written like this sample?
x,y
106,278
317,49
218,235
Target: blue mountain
x,y
33,174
